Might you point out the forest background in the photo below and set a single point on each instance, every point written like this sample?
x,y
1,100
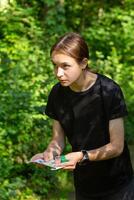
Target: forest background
x,y
28,28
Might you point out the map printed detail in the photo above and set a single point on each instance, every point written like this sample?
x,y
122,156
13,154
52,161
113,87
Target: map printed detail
x,y
50,163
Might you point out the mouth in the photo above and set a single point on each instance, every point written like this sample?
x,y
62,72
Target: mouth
x,y
63,81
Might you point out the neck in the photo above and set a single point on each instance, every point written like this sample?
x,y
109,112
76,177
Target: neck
x,y
86,80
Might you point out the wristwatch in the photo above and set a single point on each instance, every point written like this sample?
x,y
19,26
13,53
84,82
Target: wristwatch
x,y
85,155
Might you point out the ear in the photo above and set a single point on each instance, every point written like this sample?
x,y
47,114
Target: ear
x,y
84,63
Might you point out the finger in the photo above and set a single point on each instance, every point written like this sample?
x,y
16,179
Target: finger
x,y
66,164
47,156
70,168
37,156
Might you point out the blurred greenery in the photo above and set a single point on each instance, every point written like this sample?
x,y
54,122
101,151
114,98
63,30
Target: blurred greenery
x,y
28,28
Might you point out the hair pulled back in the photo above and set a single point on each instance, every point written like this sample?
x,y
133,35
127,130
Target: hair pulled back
x,y
71,44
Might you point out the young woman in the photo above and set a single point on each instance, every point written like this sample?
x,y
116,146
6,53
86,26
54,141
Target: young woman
x,y
88,108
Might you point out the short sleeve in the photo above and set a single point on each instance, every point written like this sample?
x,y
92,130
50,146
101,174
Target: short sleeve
x,y
118,106
50,107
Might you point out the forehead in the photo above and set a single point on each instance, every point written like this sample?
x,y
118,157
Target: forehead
x,y
59,58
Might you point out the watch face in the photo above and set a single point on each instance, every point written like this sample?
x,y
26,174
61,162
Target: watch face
x,y
84,161
85,155
85,158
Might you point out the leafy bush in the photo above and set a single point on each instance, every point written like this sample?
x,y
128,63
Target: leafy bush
x,y
24,84
112,46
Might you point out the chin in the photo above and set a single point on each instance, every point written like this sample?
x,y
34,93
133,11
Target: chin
x,y
65,84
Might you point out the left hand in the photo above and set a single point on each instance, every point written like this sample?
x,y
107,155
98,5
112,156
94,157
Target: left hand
x,y
73,158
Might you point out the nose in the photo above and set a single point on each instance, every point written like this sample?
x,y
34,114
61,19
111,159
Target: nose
x,y
60,72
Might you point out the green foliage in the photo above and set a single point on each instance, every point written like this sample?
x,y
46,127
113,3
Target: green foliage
x,y
27,31
112,46
24,84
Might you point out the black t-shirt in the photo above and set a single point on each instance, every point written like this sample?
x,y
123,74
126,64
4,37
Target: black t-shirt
x,y
84,117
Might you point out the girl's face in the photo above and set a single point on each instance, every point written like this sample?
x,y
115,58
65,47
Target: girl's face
x,y
67,70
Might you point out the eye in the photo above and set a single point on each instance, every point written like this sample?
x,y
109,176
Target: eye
x,y
66,66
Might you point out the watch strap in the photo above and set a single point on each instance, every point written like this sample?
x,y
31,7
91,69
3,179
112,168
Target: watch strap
x,y
85,155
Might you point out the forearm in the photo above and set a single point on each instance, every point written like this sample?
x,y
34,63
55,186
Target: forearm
x,y
115,147
104,153
58,139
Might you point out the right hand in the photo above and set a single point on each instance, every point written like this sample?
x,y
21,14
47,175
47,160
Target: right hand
x,y
46,155
37,156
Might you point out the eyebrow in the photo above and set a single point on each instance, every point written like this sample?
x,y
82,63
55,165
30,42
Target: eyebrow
x,y
63,63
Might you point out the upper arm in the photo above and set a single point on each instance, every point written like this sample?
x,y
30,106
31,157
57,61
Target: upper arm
x,y
116,130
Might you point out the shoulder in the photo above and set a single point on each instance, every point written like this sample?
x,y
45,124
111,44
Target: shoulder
x,y
110,89
57,86
57,90
113,98
108,85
